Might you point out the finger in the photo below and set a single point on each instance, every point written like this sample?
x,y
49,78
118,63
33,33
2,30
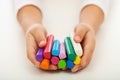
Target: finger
x,y
88,48
80,32
76,68
52,67
31,49
40,35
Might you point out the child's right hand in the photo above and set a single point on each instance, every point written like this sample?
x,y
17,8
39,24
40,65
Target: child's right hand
x,y
35,38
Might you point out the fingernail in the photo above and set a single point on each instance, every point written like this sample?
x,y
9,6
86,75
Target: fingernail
x,y
75,70
42,43
77,38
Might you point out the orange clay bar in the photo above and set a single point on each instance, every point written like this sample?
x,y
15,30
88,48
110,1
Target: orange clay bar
x,y
45,64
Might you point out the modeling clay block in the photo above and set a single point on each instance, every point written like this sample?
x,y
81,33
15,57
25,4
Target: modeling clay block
x,y
56,48
45,64
48,47
54,60
69,48
62,54
62,64
77,46
70,64
77,60
39,55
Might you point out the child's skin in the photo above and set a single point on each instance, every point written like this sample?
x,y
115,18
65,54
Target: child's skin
x,y
30,15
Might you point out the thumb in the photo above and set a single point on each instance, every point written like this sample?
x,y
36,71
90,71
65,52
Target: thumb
x,y
80,31
40,35
41,39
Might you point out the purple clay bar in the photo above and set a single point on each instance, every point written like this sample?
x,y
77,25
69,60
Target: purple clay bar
x,y
39,55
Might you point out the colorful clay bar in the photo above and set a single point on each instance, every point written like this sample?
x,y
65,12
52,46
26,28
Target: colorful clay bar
x,y
48,47
39,55
56,48
69,48
77,46
64,55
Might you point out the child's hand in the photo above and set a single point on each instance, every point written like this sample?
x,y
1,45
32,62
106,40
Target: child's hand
x,y
35,38
86,35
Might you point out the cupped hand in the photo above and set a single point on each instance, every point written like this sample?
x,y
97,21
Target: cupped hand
x,y
35,38
85,35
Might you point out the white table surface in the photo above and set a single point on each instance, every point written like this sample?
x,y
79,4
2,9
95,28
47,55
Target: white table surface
x,y
60,16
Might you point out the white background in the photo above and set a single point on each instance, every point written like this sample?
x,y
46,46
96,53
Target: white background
x,y
60,19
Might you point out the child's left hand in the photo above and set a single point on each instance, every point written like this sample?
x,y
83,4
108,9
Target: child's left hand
x,y
85,35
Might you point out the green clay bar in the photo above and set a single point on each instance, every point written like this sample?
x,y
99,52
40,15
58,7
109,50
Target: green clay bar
x,y
69,49
62,64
